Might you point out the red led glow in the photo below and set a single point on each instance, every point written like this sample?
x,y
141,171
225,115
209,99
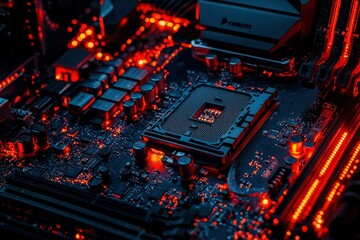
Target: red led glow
x,y
333,154
8,80
99,56
354,157
74,43
90,45
89,32
309,193
85,36
65,74
337,187
154,158
265,202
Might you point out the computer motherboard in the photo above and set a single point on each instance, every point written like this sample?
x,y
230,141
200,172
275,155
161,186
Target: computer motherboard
x,y
228,119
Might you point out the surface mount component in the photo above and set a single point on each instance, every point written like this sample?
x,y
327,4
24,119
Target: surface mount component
x,y
211,123
67,67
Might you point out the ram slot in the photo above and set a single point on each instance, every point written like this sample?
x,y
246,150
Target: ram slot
x,y
349,35
324,38
346,78
73,211
325,72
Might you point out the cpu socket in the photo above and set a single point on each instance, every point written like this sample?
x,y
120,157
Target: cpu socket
x,y
211,123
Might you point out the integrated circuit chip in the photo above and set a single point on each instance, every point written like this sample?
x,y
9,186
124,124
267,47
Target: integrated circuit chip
x,y
68,65
211,123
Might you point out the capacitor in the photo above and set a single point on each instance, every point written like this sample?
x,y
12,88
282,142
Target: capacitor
x,y
159,81
105,153
296,144
125,173
130,110
186,167
309,149
144,177
149,92
140,151
293,163
139,99
212,61
235,66
95,183
25,145
104,173
40,136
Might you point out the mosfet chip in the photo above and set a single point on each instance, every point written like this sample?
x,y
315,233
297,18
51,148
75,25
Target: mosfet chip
x,y
115,96
81,102
136,74
103,109
93,87
126,85
211,123
57,88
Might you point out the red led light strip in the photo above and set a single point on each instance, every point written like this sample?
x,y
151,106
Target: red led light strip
x,y
338,186
333,154
315,184
7,81
346,169
305,199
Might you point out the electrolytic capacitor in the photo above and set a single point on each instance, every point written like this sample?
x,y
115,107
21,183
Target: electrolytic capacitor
x,y
139,99
105,153
235,66
125,173
40,136
25,145
212,61
309,149
159,81
186,167
130,110
296,143
149,92
293,163
104,173
140,151
95,183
